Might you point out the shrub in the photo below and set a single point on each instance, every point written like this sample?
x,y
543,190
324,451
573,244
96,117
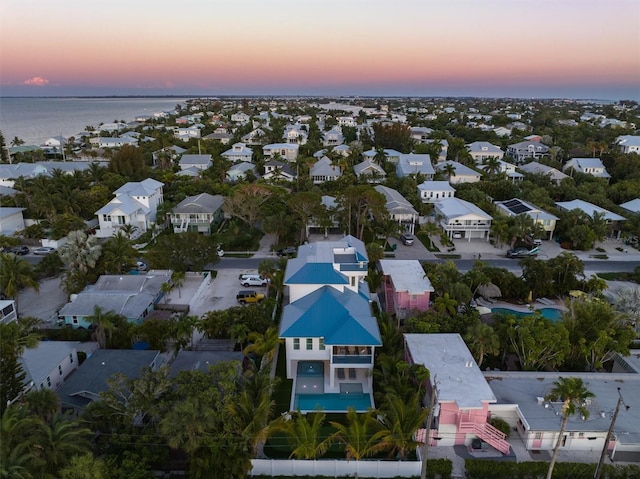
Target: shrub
x,y
501,425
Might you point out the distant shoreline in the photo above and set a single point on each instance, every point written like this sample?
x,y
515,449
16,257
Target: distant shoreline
x,y
333,97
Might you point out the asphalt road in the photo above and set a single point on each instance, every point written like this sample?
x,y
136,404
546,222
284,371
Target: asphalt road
x,y
512,265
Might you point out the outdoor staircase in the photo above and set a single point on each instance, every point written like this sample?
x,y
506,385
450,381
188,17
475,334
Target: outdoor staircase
x,y
183,226
489,434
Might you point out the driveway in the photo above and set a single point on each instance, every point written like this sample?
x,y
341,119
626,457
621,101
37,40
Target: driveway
x,y
45,304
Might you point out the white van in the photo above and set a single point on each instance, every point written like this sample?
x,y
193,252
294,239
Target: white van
x,y
247,280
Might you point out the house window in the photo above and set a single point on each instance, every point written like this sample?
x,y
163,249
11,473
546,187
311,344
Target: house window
x,y
353,280
309,344
60,369
75,319
71,358
321,344
296,343
538,435
48,381
106,217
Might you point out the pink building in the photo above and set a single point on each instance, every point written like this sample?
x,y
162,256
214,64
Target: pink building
x,y
462,395
405,286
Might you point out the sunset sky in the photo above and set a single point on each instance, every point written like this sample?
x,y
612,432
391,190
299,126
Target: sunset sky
x,y
494,48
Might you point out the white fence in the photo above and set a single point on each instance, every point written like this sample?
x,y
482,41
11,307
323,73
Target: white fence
x,y
335,468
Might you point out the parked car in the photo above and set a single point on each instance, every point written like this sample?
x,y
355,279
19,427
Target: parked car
x,y
19,250
43,250
141,265
247,280
288,251
249,297
407,239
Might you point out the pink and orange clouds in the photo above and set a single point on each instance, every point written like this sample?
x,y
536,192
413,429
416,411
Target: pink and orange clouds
x,y
36,81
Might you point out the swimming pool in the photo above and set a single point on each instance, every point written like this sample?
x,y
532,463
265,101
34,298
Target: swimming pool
x,y
332,402
553,314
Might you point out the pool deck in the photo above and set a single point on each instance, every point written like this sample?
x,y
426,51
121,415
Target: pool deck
x,y
525,308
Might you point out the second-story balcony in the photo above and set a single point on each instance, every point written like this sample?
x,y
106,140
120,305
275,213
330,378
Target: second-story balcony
x,y
352,355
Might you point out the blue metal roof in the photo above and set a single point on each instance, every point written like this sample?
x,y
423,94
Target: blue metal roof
x,y
314,273
341,318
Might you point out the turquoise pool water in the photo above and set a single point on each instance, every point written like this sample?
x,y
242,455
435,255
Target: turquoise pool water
x,y
332,402
550,313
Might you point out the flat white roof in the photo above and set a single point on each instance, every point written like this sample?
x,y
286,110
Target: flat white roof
x,y
406,275
457,376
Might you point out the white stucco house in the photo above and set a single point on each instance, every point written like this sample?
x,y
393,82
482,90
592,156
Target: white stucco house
x,y
328,327
135,203
324,170
628,143
369,171
399,208
525,150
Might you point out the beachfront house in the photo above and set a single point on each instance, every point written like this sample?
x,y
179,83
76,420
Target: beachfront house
x,y
405,287
199,213
135,203
328,327
462,219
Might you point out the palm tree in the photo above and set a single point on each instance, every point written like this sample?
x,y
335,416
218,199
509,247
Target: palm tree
x,y
189,426
573,394
430,228
482,340
18,444
492,166
360,436
17,141
177,278
450,170
253,409
103,321
445,304
61,440
401,420
118,254
304,432
17,273
43,403
263,345
84,467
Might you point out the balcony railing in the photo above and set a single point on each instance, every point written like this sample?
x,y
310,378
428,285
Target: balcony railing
x,y
352,359
460,226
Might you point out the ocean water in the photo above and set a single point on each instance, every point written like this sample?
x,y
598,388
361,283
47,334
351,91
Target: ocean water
x,y
34,120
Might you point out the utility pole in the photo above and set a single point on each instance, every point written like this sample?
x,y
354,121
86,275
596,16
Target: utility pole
x,y
608,437
425,449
